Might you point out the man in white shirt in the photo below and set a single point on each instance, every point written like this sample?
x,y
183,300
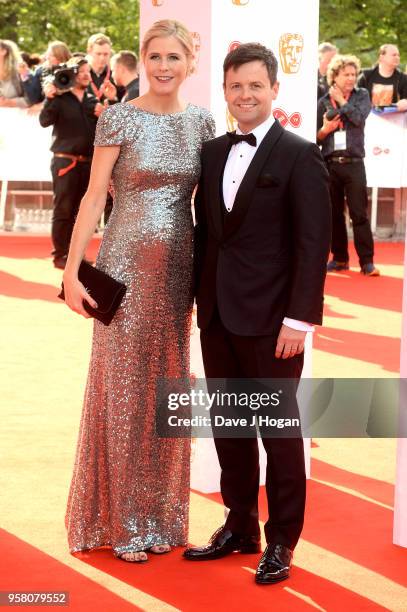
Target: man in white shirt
x,y
262,242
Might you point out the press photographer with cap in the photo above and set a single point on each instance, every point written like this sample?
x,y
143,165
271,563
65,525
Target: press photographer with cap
x,y
341,116
73,112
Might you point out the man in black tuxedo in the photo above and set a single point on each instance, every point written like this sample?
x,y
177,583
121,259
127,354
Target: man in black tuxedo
x,y
262,242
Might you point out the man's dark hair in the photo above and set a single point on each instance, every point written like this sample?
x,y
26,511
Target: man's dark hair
x,y
251,52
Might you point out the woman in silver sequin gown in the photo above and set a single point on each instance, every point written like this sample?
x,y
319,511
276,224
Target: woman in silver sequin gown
x,y
130,489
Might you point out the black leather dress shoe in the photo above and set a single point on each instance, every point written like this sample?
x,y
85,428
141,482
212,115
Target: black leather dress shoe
x,y
274,565
222,543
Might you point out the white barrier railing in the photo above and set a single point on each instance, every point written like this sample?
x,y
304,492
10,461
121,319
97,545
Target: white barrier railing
x,y
25,154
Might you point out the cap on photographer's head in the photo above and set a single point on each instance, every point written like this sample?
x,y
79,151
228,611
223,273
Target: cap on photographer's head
x,y
99,51
250,84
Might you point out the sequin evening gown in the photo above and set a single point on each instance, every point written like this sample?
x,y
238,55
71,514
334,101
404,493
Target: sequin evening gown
x,y
130,489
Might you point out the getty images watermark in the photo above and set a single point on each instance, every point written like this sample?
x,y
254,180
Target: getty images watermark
x,y
228,408
285,408
222,399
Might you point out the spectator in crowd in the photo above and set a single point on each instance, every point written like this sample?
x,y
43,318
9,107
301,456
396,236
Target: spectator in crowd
x,y
342,113
99,54
11,89
57,53
73,115
125,73
102,85
31,59
385,83
326,52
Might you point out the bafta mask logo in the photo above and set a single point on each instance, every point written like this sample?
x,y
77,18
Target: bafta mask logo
x,y
291,47
284,118
234,45
196,41
240,2
157,2
231,122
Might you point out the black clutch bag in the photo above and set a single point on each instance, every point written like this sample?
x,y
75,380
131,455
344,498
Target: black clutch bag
x,y
105,290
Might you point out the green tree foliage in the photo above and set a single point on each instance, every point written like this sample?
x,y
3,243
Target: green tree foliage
x,y
33,23
354,26
361,28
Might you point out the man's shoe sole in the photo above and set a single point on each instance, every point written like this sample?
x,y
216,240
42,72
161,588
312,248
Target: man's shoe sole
x,y
374,273
257,581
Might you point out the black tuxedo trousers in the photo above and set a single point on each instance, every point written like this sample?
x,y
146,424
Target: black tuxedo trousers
x,y
227,355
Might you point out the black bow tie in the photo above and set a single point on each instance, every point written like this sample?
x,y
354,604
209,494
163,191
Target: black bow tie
x,y
249,138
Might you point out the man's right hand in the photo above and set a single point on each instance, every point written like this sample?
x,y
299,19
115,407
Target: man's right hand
x,y
50,91
328,126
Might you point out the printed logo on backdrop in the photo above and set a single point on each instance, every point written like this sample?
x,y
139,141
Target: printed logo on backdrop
x,y
380,151
196,41
293,119
234,45
291,47
231,123
240,2
157,2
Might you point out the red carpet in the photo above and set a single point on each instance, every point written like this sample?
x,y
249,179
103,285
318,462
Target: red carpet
x,y
345,559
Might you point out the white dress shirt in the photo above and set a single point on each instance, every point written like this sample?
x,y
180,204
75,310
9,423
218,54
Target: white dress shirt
x,y
238,161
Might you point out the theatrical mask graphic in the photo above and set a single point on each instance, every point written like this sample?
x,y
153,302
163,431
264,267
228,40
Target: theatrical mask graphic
x,y
157,2
291,47
240,2
231,122
196,40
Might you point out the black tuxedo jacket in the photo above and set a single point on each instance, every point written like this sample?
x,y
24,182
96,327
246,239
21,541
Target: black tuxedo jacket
x,y
266,259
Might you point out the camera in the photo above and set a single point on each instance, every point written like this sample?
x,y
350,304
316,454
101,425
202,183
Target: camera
x,y
62,76
332,113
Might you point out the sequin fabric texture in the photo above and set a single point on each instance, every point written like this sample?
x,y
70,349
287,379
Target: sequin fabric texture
x,y
130,489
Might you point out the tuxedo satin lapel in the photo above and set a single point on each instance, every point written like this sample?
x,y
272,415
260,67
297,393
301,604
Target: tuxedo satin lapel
x,y
244,193
218,161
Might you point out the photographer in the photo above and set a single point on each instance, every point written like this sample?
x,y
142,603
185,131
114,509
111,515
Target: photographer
x,y
73,114
341,117
57,53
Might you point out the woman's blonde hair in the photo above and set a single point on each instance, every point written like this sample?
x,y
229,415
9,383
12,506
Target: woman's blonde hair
x,y
60,50
11,59
338,63
170,27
